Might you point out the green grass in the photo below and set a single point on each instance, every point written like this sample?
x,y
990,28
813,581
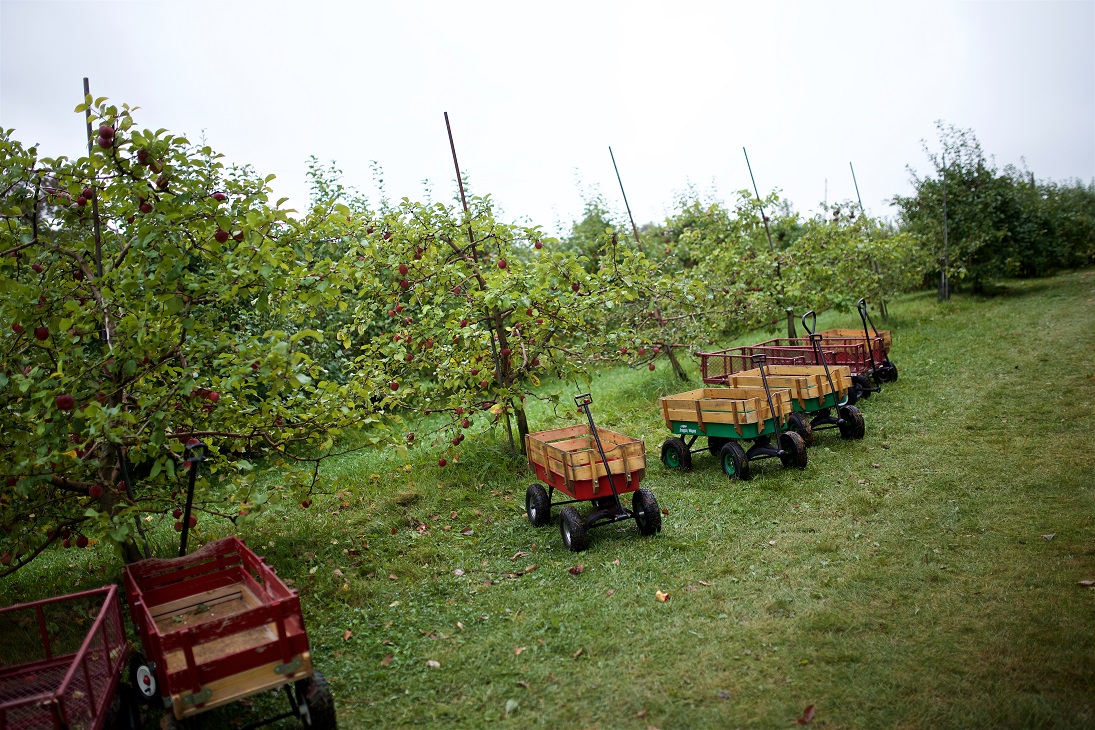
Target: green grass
x,y
905,580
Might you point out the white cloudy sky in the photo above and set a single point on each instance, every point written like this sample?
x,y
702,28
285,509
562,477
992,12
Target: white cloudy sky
x,y
538,91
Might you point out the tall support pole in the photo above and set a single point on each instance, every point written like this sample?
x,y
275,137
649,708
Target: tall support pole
x,y
870,237
944,282
491,315
97,232
94,198
635,228
771,247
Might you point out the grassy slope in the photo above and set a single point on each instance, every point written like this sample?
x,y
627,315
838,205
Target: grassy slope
x,y
902,580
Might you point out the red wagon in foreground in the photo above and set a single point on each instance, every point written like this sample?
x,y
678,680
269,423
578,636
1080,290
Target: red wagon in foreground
x,y
589,464
219,625
61,660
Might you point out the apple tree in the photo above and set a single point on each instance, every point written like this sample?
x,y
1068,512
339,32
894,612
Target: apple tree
x,y
151,296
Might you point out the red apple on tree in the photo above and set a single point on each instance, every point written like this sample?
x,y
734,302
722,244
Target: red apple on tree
x,y
501,263
18,328
65,402
81,541
221,235
95,491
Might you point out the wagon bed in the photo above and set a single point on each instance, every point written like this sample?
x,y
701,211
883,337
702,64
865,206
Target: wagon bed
x,y
567,459
218,624
736,413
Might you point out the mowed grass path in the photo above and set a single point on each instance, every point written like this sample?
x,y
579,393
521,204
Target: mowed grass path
x,y
926,576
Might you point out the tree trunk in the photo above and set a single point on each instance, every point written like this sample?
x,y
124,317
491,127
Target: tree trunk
x,y
522,427
677,369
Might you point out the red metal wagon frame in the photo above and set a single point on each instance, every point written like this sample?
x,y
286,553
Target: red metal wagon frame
x,y
588,464
258,641
716,367
70,689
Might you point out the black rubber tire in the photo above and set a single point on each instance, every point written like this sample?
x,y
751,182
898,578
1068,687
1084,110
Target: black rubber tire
x,y
315,693
675,455
889,371
853,394
800,424
538,505
147,694
862,384
573,529
648,516
734,461
794,450
715,444
124,711
851,423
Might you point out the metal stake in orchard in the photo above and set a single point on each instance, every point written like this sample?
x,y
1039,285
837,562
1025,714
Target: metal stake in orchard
x,y
490,315
635,228
870,237
771,247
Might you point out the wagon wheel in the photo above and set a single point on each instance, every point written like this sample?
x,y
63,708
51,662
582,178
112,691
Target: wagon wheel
x,y
675,455
801,425
792,450
316,703
734,461
124,711
573,530
852,394
648,516
851,423
142,678
862,385
888,371
715,444
538,505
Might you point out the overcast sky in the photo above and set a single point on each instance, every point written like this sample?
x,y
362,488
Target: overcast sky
x,y
537,91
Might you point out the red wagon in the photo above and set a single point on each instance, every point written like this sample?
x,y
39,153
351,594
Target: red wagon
x,y
61,660
219,625
588,464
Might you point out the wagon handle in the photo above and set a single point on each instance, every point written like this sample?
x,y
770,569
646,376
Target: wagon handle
x,y
861,305
759,359
815,341
582,401
195,455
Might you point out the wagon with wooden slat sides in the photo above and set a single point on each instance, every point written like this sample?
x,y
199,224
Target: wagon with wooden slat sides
x,y
218,625
853,354
877,341
726,416
588,464
61,661
816,391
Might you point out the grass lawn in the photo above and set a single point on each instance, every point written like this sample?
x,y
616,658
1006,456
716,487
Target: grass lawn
x,y
926,576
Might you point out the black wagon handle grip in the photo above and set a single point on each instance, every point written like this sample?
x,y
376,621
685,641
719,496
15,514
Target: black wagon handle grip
x,y
810,326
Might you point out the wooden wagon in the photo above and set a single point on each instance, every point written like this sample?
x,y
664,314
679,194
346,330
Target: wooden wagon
x,y
588,464
218,625
728,415
815,391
